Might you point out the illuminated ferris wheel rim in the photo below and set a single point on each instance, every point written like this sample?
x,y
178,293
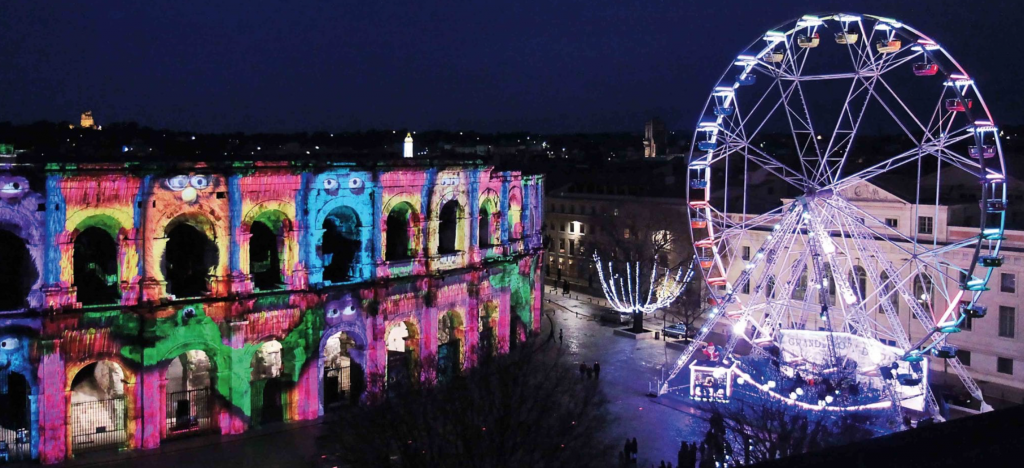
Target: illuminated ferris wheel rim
x,y
821,212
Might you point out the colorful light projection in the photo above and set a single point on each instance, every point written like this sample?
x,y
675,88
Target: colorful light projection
x,y
255,269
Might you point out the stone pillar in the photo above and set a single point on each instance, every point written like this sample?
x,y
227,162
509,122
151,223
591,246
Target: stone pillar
x,y
472,320
504,318
53,405
130,275
153,399
305,396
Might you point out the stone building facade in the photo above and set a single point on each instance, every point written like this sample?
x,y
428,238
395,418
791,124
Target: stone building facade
x,y
145,302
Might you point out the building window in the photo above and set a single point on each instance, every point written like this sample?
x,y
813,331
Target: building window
x,y
552,207
561,208
562,227
746,287
746,252
1007,321
572,209
1007,282
571,227
593,210
1004,365
968,324
925,225
964,356
892,222
561,245
572,247
625,233
583,228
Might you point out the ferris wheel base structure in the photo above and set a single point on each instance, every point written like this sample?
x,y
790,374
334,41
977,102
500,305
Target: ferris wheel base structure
x,y
787,113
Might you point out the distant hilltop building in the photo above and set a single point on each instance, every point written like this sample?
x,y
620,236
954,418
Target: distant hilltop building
x,y
655,139
408,145
87,121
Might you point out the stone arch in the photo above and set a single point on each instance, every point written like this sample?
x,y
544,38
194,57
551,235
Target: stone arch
x,y
515,212
342,365
450,228
189,256
489,221
19,271
267,393
340,244
401,232
95,267
272,250
189,379
109,403
402,342
451,339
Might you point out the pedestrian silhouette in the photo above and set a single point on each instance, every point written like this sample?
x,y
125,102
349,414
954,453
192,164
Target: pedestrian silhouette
x,y
560,338
583,370
597,370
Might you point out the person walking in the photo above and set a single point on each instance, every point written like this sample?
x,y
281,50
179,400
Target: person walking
x,y
597,370
628,450
583,370
635,449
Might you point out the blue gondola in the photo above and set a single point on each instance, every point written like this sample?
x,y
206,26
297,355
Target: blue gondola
x,y
991,261
724,111
707,145
973,311
987,151
698,183
995,205
944,352
746,80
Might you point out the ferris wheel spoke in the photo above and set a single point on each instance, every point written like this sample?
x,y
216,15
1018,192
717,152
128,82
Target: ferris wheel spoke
x,y
858,86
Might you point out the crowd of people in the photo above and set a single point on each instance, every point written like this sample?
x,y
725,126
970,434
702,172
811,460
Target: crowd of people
x,y
590,372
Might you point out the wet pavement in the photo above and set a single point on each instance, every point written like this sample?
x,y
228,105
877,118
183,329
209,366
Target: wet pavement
x,y
629,369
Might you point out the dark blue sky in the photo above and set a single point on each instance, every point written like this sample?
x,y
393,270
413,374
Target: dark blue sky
x,y
492,65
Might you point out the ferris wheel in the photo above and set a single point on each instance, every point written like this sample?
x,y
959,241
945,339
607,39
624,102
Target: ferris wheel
x,y
807,214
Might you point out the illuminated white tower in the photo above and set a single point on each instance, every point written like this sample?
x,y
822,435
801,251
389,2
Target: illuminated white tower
x,y
408,145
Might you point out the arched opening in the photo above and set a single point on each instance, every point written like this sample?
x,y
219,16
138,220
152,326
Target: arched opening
x,y
267,395
403,355
188,260
488,319
448,228
399,233
343,376
95,267
486,231
923,290
830,281
859,282
99,412
264,257
515,213
17,271
887,292
450,331
188,391
340,244
15,416
800,289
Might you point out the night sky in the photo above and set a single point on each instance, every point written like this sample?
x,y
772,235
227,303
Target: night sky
x,y
543,66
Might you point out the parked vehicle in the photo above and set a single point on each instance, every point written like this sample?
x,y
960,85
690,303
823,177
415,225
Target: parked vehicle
x,y
675,331
615,316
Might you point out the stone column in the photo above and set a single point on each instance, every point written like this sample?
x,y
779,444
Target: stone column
x,y
54,439
153,398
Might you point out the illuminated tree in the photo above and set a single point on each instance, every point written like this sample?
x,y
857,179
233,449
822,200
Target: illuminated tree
x,y
629,293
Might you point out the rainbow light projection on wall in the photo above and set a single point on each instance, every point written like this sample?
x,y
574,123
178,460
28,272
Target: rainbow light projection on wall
x,y
265,288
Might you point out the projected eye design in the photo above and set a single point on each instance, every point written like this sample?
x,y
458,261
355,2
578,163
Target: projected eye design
x,y
355,183
9,344
177,183
11,188
200,181
188,312
330,184
348,310
332,313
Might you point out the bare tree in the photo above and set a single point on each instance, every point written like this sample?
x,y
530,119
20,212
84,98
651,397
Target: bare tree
x,y
689,307
526,408
759,428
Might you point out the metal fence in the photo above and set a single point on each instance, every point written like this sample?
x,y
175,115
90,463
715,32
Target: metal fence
x,y
97,425
189,412
337,384
15,445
